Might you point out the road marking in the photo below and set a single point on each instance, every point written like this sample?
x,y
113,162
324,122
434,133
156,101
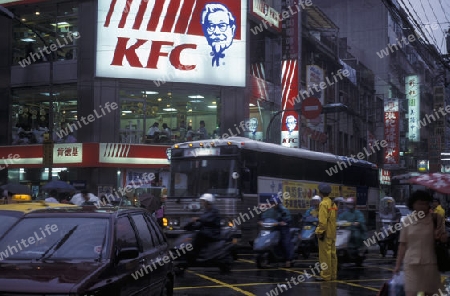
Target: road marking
x,y
246,261
358,286
222,283
336,281
237,285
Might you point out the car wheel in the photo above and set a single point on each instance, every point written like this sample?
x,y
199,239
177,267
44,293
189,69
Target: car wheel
x,y
168,287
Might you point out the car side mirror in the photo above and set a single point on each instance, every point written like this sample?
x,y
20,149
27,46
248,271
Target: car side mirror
x,y
127,253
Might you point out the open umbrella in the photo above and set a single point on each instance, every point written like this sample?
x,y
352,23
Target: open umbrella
x,y
436,181
59,186
16,188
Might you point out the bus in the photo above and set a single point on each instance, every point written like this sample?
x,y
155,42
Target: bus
x,y
243,173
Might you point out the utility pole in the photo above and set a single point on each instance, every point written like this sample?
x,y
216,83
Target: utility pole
x,y
48,140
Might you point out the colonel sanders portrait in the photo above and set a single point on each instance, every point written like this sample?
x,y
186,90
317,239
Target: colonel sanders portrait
x,y
219,27
253,125
291,123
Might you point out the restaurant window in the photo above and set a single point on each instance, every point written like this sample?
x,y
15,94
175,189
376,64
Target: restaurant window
x,y
30,114
56,23
174,114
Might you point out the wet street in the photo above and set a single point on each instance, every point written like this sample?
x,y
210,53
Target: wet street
x,y
246,279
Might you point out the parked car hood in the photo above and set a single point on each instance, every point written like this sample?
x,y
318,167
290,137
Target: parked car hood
x,y
51,277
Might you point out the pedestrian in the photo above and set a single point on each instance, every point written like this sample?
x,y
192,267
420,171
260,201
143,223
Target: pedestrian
x,y
326,234
52,197
202,132
416,249
189,134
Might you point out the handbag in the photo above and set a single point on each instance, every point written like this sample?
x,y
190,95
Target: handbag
x,y
440,248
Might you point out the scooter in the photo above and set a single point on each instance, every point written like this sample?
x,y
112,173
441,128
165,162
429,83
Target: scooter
x,y
308,238
216,254
346,254
267,244
388,217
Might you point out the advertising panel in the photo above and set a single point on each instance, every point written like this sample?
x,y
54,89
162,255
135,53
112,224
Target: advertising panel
x,y
266,13
412,89
391,133
289,124
289,77
194,41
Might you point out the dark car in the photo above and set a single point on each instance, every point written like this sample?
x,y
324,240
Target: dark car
x,y
85,251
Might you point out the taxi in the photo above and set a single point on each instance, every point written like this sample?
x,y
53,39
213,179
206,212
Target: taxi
x,y
11,213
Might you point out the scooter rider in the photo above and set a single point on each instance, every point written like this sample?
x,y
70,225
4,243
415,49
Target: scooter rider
x,y
280,213
208,223
313,210
359,229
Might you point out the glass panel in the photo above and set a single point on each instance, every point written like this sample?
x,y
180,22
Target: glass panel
x,y
57,24
195,177
56,238
125,236
30,114
144,232
6,220
160,117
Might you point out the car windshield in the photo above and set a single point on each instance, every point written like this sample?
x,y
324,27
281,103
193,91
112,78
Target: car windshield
x,y
7,219
61,238
193,177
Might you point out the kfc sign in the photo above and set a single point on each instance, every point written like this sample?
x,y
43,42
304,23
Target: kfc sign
x,y
190,41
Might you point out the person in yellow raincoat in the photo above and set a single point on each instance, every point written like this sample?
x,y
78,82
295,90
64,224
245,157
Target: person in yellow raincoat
x,y
326,234
437,207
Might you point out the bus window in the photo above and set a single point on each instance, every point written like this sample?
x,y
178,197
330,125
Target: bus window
x,y
204,176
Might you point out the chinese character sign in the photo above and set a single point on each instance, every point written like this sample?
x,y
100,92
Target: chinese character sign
x,y
68,153
385,177
412,89
391,132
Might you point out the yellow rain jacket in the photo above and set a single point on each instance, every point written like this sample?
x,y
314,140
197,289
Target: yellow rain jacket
x,y
439,210
327,218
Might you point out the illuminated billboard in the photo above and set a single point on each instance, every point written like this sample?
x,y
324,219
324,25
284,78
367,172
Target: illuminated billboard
x,y
391,133
412,89
193,41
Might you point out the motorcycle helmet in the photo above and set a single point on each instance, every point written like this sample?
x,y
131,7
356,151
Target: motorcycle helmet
x,y
208,197
316,197
351,200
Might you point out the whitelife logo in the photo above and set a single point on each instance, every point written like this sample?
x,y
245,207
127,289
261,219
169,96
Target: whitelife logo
x,y
11,250
187,41
70,128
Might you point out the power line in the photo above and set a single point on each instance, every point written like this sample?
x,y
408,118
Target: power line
x,y
443,10
443,31
418,19
426,16
401,17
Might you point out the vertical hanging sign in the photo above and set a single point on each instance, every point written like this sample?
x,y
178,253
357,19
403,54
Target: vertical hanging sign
x,y
391,133
290,77
412,89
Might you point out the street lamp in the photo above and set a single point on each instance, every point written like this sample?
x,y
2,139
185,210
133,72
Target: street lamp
x,y
49,161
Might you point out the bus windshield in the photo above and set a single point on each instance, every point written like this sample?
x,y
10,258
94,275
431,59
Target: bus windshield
x,y
193,177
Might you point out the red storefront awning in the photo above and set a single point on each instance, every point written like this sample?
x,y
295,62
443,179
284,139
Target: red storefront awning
x,y
86,155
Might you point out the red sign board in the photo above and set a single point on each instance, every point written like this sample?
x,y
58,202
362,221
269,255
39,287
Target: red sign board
x,y
391,132
311,108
